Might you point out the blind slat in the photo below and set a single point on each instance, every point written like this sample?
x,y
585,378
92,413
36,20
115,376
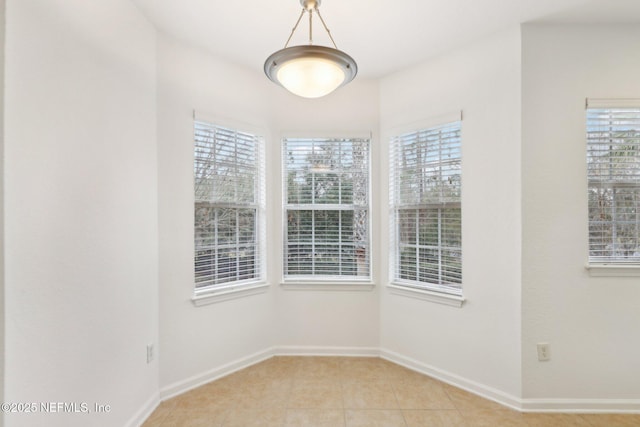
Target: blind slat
x,y
229,200
426,192
326,182
613,169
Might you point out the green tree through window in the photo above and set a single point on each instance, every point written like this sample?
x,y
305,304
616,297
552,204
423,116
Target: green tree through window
x,y
426,190
326,184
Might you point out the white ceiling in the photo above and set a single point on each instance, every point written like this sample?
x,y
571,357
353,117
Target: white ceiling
x,y
383,36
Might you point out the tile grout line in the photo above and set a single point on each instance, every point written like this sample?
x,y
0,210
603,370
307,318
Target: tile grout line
x,y
344,404
395,395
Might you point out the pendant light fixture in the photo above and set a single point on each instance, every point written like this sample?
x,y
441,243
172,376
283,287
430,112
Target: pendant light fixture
x,y
310,71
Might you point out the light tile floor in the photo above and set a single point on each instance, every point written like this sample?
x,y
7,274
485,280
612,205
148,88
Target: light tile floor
x,y
348,392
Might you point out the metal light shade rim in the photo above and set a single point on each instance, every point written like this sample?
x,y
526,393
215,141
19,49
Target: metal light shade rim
x,y
344,61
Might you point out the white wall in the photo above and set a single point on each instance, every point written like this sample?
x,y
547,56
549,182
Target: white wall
x,y
2,287
335,321
80,209
196,341
477,345
590,323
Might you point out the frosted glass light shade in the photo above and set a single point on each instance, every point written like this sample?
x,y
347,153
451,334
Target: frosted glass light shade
x,y
310,77
310,71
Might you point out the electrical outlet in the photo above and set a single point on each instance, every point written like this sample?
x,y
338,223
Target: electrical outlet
x,y
150,352
544,352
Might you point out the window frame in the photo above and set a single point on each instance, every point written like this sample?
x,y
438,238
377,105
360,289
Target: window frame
x,y
430,291
326,281
243,287
609,265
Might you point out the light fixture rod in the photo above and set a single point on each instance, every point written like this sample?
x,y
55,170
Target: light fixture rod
x,y
326,29
310,26
310,6
295,27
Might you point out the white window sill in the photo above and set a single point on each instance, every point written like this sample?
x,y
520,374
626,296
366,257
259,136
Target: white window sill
x,y
230,293
613,270
421,294
315,285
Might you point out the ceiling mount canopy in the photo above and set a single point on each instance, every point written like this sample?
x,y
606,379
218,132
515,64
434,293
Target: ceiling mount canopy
x,y
310,71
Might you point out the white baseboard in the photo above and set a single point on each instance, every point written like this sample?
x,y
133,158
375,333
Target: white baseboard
x,y
195,381
214,374
144,412
455,380
583,406
631,406
285,350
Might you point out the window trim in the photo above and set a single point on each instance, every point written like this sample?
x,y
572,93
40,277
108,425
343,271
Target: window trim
x,y
229,293
336,285
248,287
613,270
400,289
325,282
396,286
608,267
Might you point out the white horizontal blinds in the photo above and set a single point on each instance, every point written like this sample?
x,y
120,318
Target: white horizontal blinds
x,y
426,181
326,182
613,165
228,197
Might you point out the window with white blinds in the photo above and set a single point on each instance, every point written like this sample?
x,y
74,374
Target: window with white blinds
x,y
229,201
426,210
326,208
613,168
